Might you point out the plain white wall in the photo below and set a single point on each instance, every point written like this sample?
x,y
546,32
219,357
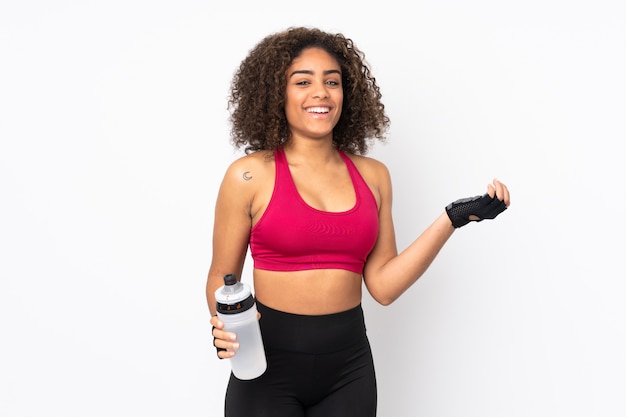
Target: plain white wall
x,y
114,139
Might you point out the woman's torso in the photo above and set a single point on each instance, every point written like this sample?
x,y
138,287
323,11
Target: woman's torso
x,y
329,189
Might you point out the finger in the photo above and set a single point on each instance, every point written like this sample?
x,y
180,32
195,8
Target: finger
x,y
491,190
507,197
226,337
226,347
225,354
498,189
216,322
503,193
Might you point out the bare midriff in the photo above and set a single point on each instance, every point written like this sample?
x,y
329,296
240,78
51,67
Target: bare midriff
x,y
311,292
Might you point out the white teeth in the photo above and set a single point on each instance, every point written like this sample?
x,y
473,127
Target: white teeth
x,y
318,110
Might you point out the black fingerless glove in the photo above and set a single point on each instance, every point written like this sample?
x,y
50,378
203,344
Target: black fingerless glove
x,y
481,206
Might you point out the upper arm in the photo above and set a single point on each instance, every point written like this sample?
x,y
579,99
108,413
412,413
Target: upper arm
x,y
232,223
388,274
385,247
231,228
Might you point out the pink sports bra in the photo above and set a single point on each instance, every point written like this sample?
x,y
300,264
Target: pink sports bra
x,y
293,236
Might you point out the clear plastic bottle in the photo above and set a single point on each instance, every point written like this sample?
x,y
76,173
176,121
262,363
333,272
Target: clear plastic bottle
x,y
237,309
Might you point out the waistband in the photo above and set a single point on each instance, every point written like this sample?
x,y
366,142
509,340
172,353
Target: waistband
x,y
311,334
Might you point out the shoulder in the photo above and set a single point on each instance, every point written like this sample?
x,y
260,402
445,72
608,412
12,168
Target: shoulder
x,y
369,167
248,173
376,175
248,167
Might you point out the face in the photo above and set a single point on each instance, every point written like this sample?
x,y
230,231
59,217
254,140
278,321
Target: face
x,y
314,95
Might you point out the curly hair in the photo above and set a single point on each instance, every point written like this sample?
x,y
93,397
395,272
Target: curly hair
x,y
257,93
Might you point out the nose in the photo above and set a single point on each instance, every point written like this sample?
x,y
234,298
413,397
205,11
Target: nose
x,y
320,91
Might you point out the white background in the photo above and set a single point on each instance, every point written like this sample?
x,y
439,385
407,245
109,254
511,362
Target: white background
x,y
114,139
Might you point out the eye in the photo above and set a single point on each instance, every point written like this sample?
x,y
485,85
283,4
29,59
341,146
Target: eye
x,y
333,83
303,82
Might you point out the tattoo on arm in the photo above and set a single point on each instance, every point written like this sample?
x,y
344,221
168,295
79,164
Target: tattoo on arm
x,y
247,176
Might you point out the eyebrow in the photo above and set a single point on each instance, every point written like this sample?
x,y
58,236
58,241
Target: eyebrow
x,y
309,72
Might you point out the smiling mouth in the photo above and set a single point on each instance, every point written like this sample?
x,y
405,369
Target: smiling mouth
x,y
318,110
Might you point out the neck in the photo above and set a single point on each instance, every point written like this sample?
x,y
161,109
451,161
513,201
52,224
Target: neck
x,y
310,152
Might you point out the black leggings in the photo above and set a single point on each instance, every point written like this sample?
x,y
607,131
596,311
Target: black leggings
x,y
317,366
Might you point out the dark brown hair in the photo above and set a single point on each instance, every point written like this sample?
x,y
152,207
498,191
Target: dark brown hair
x,y
257,93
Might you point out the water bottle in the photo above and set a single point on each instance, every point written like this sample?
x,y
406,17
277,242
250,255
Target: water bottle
x,y
237,309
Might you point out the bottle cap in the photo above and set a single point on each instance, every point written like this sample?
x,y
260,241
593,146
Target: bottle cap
x,y
233,297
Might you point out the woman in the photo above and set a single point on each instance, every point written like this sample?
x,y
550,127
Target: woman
x,y
316,214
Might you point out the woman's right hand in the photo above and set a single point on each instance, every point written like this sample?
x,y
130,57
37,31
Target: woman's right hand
x,y
225,342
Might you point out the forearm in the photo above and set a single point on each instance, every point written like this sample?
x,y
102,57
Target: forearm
x,y
212,284
393,278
